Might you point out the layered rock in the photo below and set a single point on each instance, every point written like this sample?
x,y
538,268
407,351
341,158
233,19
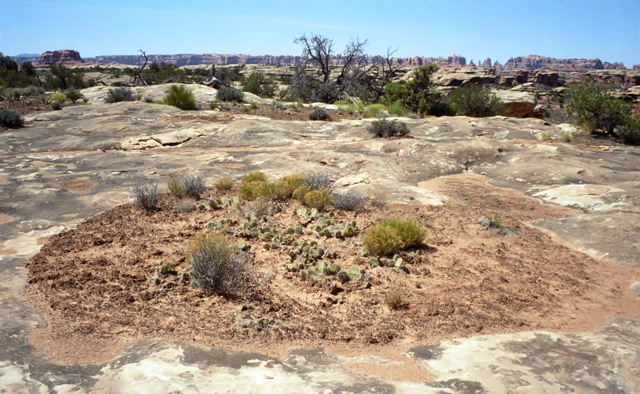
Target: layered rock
x,y
534,62
68,57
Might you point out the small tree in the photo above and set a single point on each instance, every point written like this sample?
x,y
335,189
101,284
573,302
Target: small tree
x,y
258,84
595,109
474,100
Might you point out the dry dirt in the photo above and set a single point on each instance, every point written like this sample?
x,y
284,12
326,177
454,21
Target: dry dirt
x,y
95,283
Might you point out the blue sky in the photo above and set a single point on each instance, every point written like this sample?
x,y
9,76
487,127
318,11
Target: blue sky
x,y
476,29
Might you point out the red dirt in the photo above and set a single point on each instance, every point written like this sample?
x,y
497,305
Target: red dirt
x,y
94,285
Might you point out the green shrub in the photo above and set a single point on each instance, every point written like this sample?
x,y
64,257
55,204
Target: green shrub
x,y
254,176
218,266
11,119
374,111
258,84
181,97
300,192
392,235
380,240
251,190
73,94
387,128
289,184
595,109
474,100
318,199
319,114
145,196
411,233
230,94
119,94
59,97
56,106
397,109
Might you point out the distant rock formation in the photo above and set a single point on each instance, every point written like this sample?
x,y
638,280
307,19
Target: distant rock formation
x,y
67,57
535,62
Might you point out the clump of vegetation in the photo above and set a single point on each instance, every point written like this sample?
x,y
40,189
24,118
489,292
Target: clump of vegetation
x,y
230,94
374,111
56,106
145,196
257,83
218,266
596,110
392,235
416,95
181,97
224,184
349,201
59,97
474,100
73,94
317,180
395,299
188,186
319,114
119,94
387,128
318,199
11,119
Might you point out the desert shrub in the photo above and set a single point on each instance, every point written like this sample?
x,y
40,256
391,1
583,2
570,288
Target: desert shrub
x,y
397,109
73,94
230,94
380,240
251,190
254,176
119,94
224,184
11,119
374,111
59,97
595,109
392,235
474,100
319,114
181,97
56,106
218,266
317,180
257,83
300,192
318,199
411,233
387,128
188,186
395,299
349,201
145,196
290,183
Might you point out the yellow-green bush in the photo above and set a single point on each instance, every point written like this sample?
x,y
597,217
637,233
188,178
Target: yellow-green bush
x,y
318,199
392,235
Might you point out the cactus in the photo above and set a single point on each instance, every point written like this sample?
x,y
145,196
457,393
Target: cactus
x,y
164,269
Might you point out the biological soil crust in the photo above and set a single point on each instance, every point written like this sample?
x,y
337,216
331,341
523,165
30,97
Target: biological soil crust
x,y
97,288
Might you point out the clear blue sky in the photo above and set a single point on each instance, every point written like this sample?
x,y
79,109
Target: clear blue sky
x,y
476,29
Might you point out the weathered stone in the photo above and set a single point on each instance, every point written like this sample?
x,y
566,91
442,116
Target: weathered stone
x,y
520,104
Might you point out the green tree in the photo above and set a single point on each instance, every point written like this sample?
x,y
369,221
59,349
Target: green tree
x,y
595,109
474,100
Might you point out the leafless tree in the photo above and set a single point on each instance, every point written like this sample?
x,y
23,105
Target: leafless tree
x,y
142,63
